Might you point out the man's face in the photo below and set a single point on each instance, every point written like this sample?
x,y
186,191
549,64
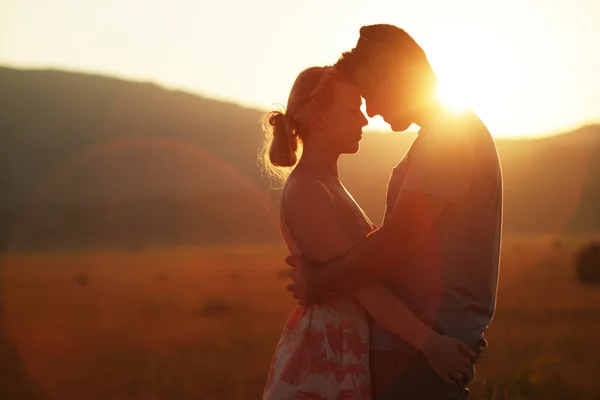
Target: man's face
x,y
390,99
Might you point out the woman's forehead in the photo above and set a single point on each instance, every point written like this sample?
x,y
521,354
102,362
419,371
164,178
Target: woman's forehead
x,y
347,92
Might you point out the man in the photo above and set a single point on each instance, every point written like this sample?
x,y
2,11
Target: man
x,y
439,245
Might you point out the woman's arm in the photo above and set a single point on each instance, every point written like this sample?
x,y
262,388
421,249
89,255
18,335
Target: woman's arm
x,y
445,354
393,314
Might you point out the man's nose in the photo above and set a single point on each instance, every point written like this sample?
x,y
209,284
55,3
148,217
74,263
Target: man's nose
x,y
370,112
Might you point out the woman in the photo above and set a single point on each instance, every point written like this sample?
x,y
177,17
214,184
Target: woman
x,y
323,352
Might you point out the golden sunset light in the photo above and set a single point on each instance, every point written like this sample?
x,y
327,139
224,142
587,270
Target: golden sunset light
x,y
169,230
528,67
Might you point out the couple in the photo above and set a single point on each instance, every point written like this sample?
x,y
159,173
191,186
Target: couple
x,y
396,312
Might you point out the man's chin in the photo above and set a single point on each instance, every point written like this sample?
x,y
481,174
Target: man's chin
x,y
352,149
400,127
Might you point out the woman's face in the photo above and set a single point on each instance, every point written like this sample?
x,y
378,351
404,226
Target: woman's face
x,y
341,124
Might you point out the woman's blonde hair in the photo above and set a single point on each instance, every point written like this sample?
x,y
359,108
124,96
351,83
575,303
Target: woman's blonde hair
x,y
286,129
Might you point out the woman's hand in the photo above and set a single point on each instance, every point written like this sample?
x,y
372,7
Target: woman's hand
x,y
448,356
482,345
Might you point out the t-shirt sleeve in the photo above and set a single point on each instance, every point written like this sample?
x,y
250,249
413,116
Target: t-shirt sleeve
x,y
441,164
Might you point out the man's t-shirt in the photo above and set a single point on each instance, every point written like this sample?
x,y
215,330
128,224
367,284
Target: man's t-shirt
x,y
455,274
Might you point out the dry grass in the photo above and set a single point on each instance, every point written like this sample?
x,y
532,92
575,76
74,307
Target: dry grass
x,y
201,323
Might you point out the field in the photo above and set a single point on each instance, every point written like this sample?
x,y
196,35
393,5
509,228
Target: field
x,y
202,323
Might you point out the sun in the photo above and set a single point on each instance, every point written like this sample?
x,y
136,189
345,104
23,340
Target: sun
x,y
454,97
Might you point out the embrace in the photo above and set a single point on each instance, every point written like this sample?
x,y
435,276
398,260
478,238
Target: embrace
x,y
397,311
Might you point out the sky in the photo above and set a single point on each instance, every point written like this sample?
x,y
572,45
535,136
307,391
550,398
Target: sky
x,y
527,67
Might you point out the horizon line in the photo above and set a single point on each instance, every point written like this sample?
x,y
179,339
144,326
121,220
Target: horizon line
x,y
263,108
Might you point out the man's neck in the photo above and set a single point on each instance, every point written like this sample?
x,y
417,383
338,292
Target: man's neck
x,y
429,113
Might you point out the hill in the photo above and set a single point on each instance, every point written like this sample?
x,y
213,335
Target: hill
x,y
93,160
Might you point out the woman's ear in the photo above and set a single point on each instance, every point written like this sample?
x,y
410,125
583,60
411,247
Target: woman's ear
x,y
318,121
315,122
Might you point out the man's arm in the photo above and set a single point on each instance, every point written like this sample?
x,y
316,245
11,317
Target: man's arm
x,y
439,174
391,245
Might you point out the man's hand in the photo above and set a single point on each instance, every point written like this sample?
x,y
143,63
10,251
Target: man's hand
x,y
304,286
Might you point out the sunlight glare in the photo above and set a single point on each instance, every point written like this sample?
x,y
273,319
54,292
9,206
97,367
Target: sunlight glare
x,y
454,97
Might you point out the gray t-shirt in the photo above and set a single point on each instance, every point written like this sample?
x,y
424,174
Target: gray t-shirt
x,y
455,277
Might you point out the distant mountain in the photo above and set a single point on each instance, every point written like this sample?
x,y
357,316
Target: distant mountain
x,y
92,160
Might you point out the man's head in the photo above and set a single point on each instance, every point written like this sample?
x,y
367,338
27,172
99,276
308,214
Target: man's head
x,y
392,72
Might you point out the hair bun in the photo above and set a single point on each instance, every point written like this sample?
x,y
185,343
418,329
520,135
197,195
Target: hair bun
x,y
277,118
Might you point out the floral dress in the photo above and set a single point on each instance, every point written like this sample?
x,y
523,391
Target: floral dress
x,y
323,352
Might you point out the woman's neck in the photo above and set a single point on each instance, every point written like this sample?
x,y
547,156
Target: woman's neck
x,y
318,160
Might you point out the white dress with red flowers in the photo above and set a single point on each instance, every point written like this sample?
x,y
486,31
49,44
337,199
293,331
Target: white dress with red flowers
x,y
323,352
